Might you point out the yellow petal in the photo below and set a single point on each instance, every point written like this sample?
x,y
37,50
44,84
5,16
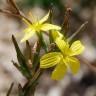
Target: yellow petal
x,y
47,27
28,30
27,36
56,34
32,17
50,59
76,48
62,45
74,64
59,71
45,18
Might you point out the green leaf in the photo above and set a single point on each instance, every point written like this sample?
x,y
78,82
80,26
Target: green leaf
x,y
21,58
21,69
36,56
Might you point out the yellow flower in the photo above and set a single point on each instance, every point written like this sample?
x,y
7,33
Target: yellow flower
x,y
38,26
64,59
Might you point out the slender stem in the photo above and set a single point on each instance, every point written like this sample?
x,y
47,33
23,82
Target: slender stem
x,y
41,40
79,30
50,32
10,89
31,85
85,61
21,15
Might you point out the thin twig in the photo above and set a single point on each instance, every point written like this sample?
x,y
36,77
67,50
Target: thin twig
x,y
85,61
13,4
17,13
65,24
79,30
10,89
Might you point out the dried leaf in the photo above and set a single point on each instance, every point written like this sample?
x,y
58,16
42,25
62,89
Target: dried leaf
x,y
14,6
65,25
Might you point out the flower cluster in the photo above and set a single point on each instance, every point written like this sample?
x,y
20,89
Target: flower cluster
x,y
63,58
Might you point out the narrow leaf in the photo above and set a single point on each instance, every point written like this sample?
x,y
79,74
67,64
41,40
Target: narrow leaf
x,y
20,57
29,50
22,70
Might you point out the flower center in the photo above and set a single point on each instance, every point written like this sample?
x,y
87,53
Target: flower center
x,y
37,27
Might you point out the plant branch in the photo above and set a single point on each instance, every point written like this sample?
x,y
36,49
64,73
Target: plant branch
x,y
79,30
10,89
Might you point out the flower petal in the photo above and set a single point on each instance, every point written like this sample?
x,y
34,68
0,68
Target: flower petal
x,y
50,59
47,27
74,64
56,34
27,36
45,18
28,30
62,45
76,48
59,71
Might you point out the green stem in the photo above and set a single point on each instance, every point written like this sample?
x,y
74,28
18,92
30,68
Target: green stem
x,y
30,88
50,37
41,40
50,19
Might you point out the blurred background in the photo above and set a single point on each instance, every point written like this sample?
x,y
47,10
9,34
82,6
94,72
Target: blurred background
x,y
83,83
